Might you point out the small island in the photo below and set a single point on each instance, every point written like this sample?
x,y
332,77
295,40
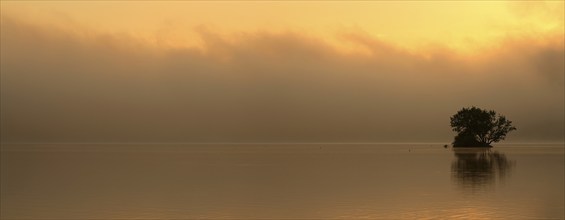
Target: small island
x,y
476,127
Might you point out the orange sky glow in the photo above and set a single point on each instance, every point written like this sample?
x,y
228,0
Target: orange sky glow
x,y
277,71
464,26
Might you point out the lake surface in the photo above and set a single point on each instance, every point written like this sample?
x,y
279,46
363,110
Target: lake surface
x,y
266,181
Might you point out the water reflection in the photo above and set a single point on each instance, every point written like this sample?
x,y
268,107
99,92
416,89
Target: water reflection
x,y
477,168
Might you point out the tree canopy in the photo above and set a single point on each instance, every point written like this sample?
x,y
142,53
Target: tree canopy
x,y
476,127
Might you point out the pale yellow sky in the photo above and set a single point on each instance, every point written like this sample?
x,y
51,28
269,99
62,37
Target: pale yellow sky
x,y
460,25
280,71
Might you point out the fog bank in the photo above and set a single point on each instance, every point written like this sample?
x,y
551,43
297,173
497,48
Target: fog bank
x,y
60,86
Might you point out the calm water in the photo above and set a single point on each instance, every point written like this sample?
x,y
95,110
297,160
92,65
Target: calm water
x,y
281,181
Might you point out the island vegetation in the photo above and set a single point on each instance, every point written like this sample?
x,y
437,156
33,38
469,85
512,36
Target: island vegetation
x,y
476,127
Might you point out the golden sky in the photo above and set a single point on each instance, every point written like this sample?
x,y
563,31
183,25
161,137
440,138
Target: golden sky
x,y
412,25
277,71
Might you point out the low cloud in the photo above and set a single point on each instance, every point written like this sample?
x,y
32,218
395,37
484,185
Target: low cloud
x,y
59,86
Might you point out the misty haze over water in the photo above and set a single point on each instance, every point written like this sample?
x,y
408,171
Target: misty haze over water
x,y
242,110
59,87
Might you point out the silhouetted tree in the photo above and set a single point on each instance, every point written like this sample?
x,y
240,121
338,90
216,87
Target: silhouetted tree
x,y
476,127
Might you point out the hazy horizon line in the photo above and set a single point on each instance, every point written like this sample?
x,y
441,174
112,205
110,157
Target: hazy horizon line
x,y
270,143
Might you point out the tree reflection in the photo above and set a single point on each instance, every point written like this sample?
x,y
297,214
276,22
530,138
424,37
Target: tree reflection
x,y
477,168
